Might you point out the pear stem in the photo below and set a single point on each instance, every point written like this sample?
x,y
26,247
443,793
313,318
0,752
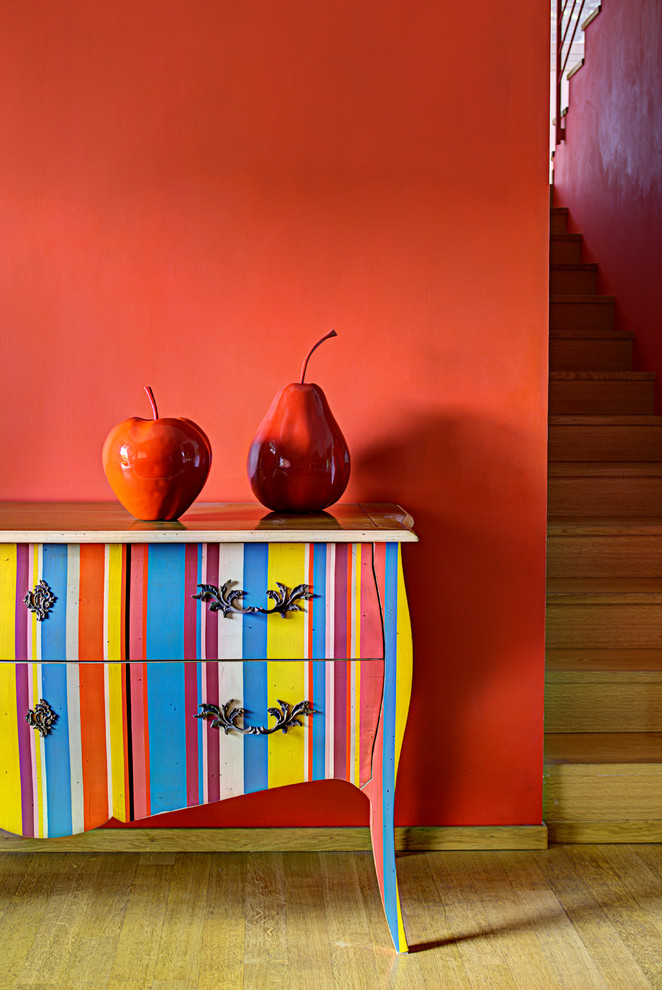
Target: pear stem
x,y
331,333
152,401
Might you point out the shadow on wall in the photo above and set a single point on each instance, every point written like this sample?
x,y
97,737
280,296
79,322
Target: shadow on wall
x,y
476,585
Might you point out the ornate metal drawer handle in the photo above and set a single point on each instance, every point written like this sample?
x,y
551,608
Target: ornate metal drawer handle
x,y
42,718
223,599
40,600
226,718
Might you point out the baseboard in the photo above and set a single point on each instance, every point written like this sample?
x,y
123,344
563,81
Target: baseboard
x,y
281,839
604,832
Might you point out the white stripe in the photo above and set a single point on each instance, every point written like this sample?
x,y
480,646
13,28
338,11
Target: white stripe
x,y
330,598
352,746
230,629
306,693
205,734
329,756
231,762
75,749
30,616
40,571
309,605
73,599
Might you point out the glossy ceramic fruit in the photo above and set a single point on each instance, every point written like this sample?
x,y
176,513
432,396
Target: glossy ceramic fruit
x,y
156,467
299,461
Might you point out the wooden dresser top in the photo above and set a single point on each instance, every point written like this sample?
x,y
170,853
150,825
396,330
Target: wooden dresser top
x,y
225,522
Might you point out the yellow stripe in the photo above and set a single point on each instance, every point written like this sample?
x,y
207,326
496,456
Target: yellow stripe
x,y
404,661
38,756
11,778
116,760
115,600
287,565
8,563
285,682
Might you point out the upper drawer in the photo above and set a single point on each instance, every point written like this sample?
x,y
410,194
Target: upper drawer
x,y
118,602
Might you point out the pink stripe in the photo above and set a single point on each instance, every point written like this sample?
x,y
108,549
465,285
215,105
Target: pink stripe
x,y
22,587
340,720
371,636
339,618
211,618
140,779
372,685
136,602
190,605
191,725
24,748
213,753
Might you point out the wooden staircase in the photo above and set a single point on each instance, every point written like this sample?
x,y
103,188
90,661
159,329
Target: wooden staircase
x,y
603,708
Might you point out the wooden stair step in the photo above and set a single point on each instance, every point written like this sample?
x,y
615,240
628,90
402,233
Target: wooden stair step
x,y
604,548
603,787
604,613
599,660
589,312
603,701
596,438
601,392
558,219
589,748
604,488
565,248
578,278
590,349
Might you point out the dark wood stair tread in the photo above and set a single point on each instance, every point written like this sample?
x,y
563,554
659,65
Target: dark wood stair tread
x,y
603,747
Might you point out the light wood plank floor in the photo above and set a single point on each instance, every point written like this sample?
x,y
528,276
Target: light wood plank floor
x,y
566,918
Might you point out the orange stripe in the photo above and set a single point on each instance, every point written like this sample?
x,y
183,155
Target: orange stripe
x,y
145,717
93,744
90,615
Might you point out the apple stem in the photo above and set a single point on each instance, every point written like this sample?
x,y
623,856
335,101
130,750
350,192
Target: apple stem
x,y
152,400
331,333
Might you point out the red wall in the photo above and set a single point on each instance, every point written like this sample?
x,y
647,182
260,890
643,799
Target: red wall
x,y
609,170
192,193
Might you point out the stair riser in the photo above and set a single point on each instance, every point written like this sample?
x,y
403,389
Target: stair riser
x,y
617,707
604,626
595,793
604,556
602,497
565,252
581,282
558,221
596,315
601,398
605,443
590,355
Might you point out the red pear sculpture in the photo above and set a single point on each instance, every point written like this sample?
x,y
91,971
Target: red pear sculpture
x,y
299,461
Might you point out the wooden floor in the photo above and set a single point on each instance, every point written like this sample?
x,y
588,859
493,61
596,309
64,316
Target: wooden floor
x,y
570,917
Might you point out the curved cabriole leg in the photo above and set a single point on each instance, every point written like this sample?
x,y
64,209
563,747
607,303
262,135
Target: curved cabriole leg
x,y
388,742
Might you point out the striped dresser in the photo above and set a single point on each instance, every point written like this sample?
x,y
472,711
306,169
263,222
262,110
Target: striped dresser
x,y
147,668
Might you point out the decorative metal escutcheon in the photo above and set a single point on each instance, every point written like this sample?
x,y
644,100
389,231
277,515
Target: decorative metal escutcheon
x,y
41,718
40,600
226,717
227,601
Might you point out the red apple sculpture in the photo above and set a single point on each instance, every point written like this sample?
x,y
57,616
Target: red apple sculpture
x,y
299,461
156,467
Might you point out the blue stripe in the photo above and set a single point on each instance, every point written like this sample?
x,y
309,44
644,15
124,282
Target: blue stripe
x,y
318,604
256,748
56,750
54,626
165,602
318,723
388,774
167,736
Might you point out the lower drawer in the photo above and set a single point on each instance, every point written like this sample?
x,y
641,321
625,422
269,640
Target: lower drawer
x,y
129,740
